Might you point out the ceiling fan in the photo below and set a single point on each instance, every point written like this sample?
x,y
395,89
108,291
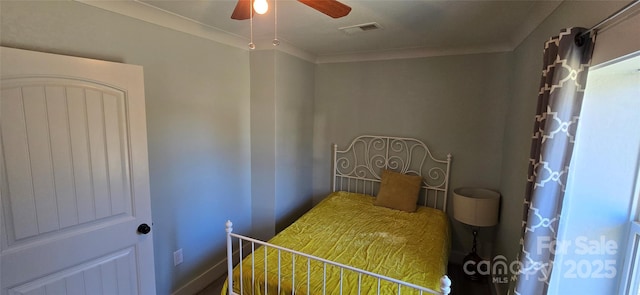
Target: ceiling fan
x,y
332,8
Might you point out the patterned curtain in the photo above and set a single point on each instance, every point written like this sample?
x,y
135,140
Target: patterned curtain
x,y
564,75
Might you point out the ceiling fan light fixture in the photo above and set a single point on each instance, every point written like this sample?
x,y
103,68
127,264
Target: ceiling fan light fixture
x,y
260,6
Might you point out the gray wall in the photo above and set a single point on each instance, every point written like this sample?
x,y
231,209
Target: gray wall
x,y
282,90
295,85
197,104
263,143
455,104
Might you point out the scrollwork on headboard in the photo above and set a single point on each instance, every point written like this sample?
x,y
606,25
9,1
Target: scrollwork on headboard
x,y
358,167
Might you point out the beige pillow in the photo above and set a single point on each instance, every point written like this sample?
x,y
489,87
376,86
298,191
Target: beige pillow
x,y
398,191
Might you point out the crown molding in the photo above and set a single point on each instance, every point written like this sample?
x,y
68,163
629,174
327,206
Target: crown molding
x,y
163,18
285,47
151,14
540,11
407,53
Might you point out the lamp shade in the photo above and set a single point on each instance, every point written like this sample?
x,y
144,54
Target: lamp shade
x,y
476,206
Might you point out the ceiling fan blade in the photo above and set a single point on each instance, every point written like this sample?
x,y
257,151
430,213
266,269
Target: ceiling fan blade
x,y
332,8
242,10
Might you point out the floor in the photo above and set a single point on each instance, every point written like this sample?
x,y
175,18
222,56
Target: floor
x,y
460,286
215,288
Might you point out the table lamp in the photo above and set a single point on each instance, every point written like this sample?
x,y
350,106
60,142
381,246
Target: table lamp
x,y
476,207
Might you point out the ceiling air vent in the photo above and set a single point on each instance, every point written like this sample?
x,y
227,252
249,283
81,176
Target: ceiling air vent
x,y
350,30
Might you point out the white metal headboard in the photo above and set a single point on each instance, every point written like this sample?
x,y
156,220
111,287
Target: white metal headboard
x,y
358,168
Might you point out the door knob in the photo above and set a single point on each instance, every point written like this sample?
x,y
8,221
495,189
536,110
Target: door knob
x,y
144,229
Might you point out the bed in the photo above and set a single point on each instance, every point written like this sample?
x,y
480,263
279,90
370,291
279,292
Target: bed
x,y
360,239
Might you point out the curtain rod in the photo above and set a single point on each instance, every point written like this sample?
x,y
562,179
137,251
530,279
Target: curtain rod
x,y
609,18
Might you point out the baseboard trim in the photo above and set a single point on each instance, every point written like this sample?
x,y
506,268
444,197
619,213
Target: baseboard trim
x,y
204,279
210,275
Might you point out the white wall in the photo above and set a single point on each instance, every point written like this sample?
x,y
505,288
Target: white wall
x,y
197,95
455,104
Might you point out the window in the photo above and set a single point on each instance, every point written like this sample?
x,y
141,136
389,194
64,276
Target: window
x,y
630,279
619,83
602,189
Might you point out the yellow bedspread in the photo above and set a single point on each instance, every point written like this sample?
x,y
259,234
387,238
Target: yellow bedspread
x,y
347,228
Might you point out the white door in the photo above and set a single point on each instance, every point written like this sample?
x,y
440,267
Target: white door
x,y
74,172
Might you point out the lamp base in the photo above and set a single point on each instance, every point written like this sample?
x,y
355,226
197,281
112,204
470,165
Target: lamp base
x,y
471,266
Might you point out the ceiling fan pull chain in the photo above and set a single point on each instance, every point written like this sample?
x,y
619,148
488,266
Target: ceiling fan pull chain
x,y
251,45
276,42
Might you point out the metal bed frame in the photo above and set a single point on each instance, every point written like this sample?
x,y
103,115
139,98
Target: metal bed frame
x,y
358,169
